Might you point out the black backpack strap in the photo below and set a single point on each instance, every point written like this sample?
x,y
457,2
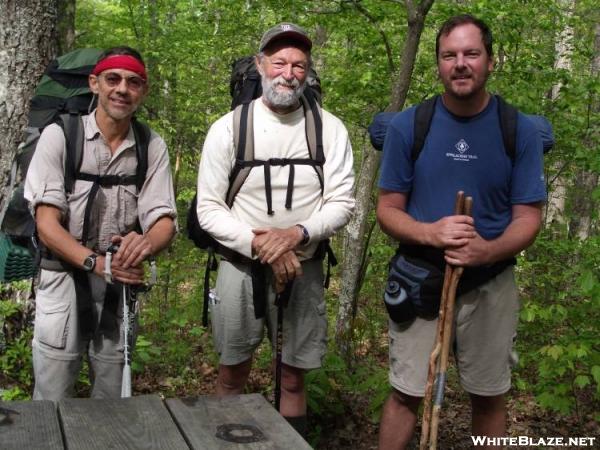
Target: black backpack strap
x,y
85,308
258,272
423,115
243,140
72,125
507,115
141,132
331,262
314,134
211,265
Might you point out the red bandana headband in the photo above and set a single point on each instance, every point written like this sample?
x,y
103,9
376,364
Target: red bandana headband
x,y
125,62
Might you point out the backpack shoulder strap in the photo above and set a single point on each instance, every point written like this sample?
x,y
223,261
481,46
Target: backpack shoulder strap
x,y
243,141
314,133
141,132
423,115
72,125
507,115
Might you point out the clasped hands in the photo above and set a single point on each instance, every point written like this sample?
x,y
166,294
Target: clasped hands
x,y
275,246
126,265
462,245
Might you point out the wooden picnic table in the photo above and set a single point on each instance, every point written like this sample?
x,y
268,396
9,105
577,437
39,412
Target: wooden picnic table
x,y
241,422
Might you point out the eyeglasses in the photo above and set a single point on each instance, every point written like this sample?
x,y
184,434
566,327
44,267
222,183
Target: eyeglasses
x,y
114,79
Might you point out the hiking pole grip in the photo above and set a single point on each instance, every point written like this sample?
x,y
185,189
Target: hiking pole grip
x,y
435,353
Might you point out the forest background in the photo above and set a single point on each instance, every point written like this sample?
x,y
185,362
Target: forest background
x,y
371,55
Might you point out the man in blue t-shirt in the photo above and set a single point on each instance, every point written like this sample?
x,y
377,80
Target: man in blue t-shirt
x,y
463,151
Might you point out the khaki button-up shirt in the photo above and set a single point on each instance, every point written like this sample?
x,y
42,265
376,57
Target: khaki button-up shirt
x,y
115,209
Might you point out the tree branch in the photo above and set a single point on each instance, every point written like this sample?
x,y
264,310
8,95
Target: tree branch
x,y
388,49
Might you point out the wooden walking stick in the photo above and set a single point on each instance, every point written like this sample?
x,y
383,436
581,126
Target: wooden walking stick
x,y
441,349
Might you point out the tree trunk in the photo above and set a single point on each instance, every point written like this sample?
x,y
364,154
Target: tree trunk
x,y
584,205
66,26
557,189
357,236
27,44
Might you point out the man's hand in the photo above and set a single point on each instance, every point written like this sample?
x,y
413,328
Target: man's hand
x,y
134,248
451,231
285,268
131,275
269,244
520,233
476,252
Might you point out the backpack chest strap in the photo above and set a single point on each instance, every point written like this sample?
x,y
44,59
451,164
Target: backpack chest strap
x,y
292,162
98,181
108,180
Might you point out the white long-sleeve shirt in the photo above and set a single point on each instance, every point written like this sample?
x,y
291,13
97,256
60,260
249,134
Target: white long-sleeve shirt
x,y
275,136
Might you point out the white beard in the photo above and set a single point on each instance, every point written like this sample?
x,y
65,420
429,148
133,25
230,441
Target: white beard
x,y
279,98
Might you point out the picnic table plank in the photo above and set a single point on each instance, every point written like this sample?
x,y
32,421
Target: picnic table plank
x,y
137,422
240,422
29,425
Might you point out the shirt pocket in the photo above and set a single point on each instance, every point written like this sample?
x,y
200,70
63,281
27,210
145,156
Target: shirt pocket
x,y
53,308
77,201
127,214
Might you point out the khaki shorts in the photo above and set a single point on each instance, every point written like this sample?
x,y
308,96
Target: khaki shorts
x,y
485,330
237,333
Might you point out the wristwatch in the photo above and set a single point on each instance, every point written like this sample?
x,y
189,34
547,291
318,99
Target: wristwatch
x,y
305,235
89,263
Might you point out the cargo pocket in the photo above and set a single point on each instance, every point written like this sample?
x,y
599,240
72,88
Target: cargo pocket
x,y
51,319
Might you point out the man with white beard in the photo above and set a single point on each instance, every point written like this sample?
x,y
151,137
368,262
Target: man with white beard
x,y
284,237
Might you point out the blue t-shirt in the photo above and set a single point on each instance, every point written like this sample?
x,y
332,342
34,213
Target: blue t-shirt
x,y
464,154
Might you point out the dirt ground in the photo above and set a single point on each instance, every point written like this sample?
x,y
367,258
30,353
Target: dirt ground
x,y
524,419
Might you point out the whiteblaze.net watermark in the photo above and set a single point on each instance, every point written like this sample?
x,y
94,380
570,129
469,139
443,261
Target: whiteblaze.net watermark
x,y
527,441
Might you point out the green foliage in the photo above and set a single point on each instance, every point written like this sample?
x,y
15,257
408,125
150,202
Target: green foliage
x,y
559,332
16,370
333,388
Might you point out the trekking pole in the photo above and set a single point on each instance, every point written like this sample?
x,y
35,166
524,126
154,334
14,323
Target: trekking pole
x,y
435,353
447,334
281,301
126,381
129,312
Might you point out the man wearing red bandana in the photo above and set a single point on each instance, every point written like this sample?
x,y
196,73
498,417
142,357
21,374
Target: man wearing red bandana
x,y
77,311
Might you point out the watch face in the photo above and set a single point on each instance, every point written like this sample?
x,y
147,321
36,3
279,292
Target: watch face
x,y
89,263
305,236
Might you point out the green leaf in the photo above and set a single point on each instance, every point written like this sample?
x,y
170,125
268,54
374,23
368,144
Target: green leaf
x,y
582,381
528,314
596,374
587,282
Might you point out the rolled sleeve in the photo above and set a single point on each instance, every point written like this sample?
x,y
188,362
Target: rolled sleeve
x,y
45,183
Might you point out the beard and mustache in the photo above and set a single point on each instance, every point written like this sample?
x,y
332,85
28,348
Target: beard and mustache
x,y
282,98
